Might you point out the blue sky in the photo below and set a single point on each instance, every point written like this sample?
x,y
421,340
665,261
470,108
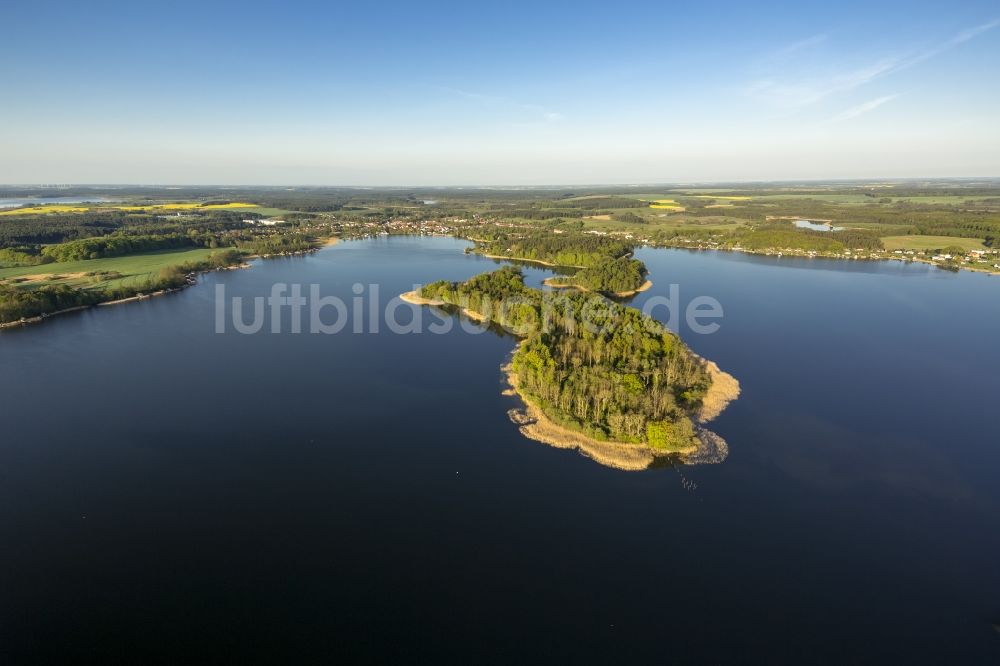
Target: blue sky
x,y
518,93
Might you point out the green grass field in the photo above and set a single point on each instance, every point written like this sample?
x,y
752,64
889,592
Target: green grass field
x,y
930,242
134,268
829,198
662,219
947,200
266,212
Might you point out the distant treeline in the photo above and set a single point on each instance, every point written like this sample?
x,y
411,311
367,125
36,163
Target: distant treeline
x,y
114,246
566,249
785,236
595,203
538,214
630,218
60,227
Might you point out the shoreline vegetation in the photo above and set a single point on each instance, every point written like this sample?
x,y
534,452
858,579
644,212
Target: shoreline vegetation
x,y
533,424
602,264
654,419
172,279
812,254
551,282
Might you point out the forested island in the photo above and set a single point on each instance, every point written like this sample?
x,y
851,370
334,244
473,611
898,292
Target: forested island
x,y
593,372
603,262
616,277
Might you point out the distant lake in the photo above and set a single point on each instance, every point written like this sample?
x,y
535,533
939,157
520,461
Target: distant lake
x,y
181,495
816,226
38,201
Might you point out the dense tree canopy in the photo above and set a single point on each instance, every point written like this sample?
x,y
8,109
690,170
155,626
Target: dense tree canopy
x,y
566,249
606,370
114,246
609,276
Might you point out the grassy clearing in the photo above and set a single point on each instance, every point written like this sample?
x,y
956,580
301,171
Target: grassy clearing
x,y
266,212
930,242
133,269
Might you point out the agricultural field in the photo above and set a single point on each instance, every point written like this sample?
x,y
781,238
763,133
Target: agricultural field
x,y
46,209
173,207
944,200
668,221
930,242
827,198
130,270
666,204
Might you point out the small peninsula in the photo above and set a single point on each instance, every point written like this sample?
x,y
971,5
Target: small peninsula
x,y
595,375
603,264
621,277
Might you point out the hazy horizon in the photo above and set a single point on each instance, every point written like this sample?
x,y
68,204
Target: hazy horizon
x,y
513,186
520,95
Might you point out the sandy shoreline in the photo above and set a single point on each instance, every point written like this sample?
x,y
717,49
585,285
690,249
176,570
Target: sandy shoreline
x,y
414,298
711,449
617,294
724,389
535,425
642,287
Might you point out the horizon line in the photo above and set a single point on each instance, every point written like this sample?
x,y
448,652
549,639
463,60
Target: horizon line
x,y
906,179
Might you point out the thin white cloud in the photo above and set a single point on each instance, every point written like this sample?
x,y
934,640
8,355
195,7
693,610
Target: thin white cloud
x,y
864,108
795,95
803,93
960,38
795,47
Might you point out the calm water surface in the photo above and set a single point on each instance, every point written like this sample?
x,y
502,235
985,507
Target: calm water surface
x,y
13,202
816,226
169,494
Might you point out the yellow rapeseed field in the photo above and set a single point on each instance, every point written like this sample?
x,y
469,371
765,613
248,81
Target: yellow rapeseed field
x,y
35,210
666,204
188,205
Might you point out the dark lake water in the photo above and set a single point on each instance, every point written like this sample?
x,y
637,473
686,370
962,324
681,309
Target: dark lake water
x,y
173,495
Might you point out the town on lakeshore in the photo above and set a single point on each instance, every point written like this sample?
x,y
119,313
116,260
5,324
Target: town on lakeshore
x,y
67,247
